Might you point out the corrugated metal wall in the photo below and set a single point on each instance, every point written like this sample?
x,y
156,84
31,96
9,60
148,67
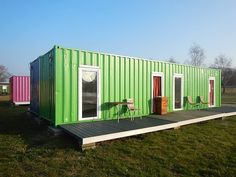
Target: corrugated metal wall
x,y
34,89
47,80
20,89
122,78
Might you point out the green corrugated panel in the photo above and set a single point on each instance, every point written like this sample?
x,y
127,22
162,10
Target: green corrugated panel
x,y
121,78
47,91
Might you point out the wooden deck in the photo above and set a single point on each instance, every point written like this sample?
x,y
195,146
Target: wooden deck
x,y
92,132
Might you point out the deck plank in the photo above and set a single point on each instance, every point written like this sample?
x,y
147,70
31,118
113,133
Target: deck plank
x,y
99,128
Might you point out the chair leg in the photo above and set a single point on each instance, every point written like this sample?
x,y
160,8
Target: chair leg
x,y
130,115
140,115
134,114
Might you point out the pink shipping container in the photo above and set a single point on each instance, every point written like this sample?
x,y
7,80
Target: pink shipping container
x,y
20,90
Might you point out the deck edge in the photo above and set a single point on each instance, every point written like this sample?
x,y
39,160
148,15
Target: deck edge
x,y
112,136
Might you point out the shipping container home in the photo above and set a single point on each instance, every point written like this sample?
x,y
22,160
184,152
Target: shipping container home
x,y
20,90
4,88
34,91
72,86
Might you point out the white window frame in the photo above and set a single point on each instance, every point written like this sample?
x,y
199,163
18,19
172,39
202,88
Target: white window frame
x,y
4,87
214,79
177,75
89,68
160,74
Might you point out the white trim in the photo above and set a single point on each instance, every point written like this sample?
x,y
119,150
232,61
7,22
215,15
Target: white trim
x,y
22,103
111,136
88,68
212,78
161,74
182,90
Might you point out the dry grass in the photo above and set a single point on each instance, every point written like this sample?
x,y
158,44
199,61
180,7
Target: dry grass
x,y
5,98
230,90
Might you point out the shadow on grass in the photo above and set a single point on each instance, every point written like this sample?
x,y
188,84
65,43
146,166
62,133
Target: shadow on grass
x,y
16,120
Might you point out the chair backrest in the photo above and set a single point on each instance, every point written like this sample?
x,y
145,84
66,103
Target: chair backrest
x,y
190,100
131,103
202,100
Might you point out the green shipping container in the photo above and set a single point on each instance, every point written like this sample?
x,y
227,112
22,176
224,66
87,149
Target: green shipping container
x,y
77,85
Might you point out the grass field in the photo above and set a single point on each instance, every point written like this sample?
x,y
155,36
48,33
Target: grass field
x,y
26,149
229,96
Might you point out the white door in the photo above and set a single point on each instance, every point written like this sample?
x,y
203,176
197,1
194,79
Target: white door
x,y
212,91
157,88
88,93
178,92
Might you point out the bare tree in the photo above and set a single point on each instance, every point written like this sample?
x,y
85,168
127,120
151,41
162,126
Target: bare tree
x,y
224,63
232,81
172,60
4,74
197,55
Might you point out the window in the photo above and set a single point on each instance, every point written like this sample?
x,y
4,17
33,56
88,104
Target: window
x,y
178,92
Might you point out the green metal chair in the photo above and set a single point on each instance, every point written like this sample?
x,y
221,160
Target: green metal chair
x,y
190,101
202,101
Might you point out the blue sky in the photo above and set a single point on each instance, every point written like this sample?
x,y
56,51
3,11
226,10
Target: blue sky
x,y
150,29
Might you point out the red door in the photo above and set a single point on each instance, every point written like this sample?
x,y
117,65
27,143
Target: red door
x,y
156,91
211,93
